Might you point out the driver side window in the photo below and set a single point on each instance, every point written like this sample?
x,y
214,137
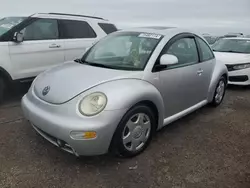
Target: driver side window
x,y
42,29
185,50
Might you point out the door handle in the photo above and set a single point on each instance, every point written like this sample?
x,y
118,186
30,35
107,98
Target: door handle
x,y
199,72
54,46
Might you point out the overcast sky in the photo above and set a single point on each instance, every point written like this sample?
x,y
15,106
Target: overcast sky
x,y
214,16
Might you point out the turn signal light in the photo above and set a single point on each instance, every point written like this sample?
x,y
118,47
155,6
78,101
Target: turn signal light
x,y
78,135
89,135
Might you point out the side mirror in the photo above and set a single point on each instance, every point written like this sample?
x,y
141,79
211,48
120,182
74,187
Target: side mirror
x,y
168,59
18,37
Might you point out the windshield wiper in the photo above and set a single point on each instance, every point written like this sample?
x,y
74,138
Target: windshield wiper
x,y
93,64
105,66
229,51
232,51
99,65
219,50
78,61
81,61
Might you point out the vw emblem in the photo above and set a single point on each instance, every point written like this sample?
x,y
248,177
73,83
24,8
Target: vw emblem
x,y
46,90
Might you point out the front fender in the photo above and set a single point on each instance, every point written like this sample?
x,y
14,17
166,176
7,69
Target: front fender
x,y
125,93
220,69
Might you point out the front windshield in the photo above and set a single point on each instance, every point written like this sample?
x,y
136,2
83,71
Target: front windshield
x,y
9,22
123,50
232,45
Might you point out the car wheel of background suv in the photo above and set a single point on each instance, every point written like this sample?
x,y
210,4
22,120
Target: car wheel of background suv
x,y
2,89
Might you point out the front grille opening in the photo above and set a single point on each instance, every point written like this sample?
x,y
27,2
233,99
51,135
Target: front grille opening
x,y
57,142
243,78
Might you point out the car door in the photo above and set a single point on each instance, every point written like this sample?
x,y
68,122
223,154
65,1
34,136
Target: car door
x,y
40,50
207,64
78,36
181,84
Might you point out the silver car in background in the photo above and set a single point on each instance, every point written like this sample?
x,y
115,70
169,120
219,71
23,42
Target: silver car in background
x,y
126,87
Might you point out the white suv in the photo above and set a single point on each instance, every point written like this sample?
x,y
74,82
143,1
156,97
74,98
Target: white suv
x,y
30,45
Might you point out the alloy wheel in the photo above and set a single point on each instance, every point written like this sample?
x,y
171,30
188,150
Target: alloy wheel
x,y
220,90
136,132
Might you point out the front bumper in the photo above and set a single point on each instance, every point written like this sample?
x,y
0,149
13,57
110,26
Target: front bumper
x,y
239,77
55,122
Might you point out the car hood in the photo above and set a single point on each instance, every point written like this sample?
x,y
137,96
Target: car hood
x,y
70,79
232,58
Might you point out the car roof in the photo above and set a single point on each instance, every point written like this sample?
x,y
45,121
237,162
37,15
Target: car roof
x,y
162,30
68,16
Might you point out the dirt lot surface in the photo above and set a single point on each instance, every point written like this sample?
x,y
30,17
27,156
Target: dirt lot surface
x,y
209,148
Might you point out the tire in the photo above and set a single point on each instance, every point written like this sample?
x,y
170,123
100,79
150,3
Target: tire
x,y
2,90
217,101
140,132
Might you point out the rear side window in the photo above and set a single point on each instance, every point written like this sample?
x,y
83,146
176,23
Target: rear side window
x,y
72,29
107,28
206,52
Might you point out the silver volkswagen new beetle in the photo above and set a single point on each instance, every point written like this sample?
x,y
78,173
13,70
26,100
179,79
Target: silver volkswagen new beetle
x,y
126,87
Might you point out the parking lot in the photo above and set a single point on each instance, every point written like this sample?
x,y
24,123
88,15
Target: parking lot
x,y
209,148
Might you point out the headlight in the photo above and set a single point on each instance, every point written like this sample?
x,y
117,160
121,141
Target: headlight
x,y
242,66
93,104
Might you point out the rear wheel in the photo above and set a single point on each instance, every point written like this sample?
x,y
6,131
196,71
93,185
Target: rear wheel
x,y
219,92
2,89
134,132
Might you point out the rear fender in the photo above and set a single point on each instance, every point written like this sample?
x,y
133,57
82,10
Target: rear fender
x,y
220,69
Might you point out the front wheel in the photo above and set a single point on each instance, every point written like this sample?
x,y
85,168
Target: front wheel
x,y
134,132
219,92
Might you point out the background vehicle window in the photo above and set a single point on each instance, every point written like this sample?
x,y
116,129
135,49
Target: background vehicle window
x,y
42,29
185,50
72,29
232,45
210,39
8,23
206,52
107,28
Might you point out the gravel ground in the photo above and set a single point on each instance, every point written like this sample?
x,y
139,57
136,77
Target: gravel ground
x,y
209,148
